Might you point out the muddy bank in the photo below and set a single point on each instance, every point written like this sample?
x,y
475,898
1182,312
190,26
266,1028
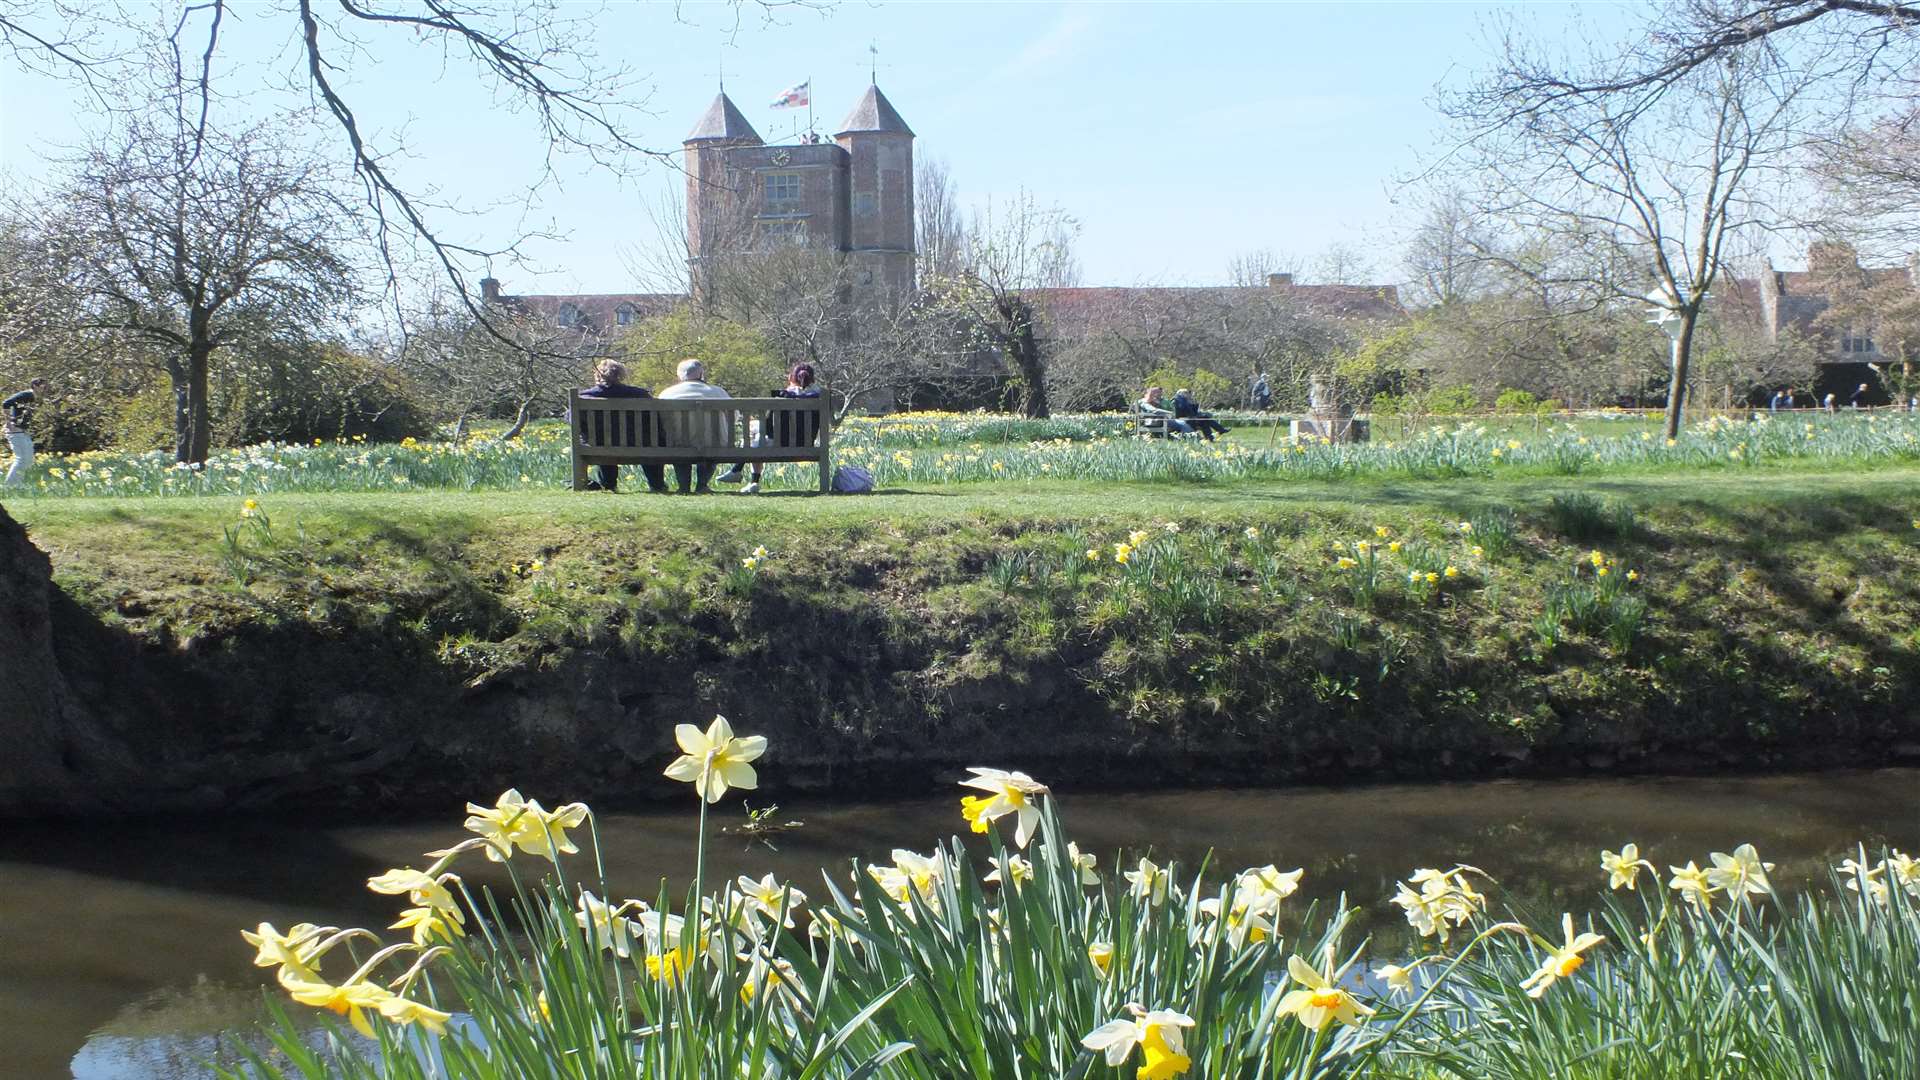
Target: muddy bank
x,y
884,666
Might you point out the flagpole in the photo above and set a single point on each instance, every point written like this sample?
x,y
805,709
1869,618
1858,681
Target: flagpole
x,y
809,104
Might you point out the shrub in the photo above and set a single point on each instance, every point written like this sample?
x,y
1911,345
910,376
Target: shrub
x,y
1588,519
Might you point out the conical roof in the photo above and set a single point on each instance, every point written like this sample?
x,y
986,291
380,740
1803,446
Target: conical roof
x,y
874,113
723,122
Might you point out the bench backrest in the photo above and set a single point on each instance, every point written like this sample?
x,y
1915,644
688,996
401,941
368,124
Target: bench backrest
x,y
795,424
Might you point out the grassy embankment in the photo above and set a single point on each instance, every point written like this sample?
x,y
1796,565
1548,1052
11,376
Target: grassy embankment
x,y
1772,617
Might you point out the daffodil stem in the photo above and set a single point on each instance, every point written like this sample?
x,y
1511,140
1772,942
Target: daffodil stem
x,y
1413,1010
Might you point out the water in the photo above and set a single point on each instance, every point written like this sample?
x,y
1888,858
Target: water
x,y
120,953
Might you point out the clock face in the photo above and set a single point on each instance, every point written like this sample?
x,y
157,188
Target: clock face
x,y
781,157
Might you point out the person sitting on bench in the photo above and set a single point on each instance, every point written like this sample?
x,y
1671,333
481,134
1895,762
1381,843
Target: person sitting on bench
x,y
610,381
1149,405
1185,408
799,385
693,384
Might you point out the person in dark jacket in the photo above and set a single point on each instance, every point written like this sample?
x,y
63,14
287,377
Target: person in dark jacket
x,y
610,381
1859,399
16,413
1185,408
800,384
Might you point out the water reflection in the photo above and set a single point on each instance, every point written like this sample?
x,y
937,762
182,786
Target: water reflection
x,y
98,917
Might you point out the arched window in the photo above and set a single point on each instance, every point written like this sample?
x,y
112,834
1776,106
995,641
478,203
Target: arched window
x,y
569,315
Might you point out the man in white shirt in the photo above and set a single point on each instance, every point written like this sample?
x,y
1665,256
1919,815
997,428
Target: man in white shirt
x,y
693,384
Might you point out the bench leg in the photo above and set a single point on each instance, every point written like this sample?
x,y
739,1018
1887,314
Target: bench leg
x,y
579,473
826,475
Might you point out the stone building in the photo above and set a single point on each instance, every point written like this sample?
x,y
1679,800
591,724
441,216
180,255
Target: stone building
x,y
1795,300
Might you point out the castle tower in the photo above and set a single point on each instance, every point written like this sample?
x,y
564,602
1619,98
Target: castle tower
x,y
879,146
711,185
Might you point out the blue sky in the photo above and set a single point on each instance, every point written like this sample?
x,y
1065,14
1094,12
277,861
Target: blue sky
x,y
1178,134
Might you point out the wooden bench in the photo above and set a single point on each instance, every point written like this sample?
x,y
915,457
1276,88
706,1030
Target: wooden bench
x,y
629,430
1152,426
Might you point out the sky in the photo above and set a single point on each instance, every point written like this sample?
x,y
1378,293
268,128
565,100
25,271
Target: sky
x,y
1179,135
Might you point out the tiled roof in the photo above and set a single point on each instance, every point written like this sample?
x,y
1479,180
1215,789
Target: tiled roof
x,y
723,122
874,113
599,312
1082,306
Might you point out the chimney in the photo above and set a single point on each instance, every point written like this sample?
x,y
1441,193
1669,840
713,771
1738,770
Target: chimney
x,y
1279,281
489,290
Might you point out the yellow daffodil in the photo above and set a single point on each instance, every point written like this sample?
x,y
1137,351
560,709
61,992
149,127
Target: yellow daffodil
x,y
351,1000
1137,537
1691,883
1122,553
1598,559
402,1010
1320,1000
1148,882
1478,551
1452,572
1740,873
1633,575
1157,1034
760,552
1868,880
420,887
428,923
292,952
1562,960
516,822
1008,793
1393,546
1345,563
1465,527
1382,531
536,566
714,760
1253,532
1101,953
1623,869
1093,554
1432,578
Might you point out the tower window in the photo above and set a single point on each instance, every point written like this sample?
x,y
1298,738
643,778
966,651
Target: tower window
x,y
783,193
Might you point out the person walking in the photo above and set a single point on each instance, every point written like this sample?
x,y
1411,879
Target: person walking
x,y
1859,398
1262,392
16,413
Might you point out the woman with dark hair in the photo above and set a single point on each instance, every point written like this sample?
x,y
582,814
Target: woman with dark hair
x,y
800,384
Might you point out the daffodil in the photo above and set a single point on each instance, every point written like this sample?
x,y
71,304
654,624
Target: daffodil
x,y
715,760
1157,1034
516,822
1382,531
1623,869
768,897
1452,572
1399,979
1562,960
1137,537
428,923
402,1010
1083,863
1008,793
1101,953
606,925
292,952
1320,1000
420,886
1148,882
1019,870
1093,554
1740,873
351,1000
1253,531
1691,883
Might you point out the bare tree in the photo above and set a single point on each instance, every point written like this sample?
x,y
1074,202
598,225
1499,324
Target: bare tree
x,y
1444,259
1252,268
1662,179
183,239
1341,264
938,236
1011,249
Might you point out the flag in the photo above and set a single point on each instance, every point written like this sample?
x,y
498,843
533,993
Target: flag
x,y
794,98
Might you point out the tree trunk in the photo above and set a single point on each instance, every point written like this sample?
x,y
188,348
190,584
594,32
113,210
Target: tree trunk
x,y
1023,351
1677,385
192,419
519,421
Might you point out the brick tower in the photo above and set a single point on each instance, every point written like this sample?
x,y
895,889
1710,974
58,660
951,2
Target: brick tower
x,y
712,185
879,148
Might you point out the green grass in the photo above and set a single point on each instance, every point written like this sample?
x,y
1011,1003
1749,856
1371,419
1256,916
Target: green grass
x,y
1771,620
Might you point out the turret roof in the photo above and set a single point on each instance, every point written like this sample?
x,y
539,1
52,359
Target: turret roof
x,y
723,122
874,113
